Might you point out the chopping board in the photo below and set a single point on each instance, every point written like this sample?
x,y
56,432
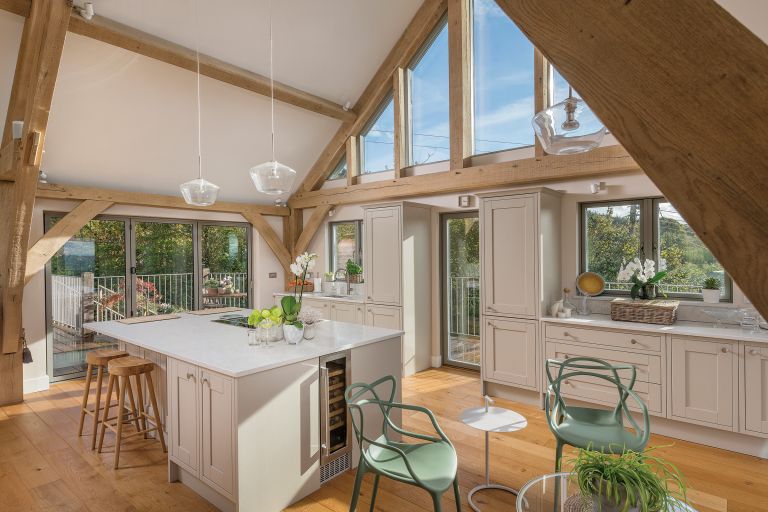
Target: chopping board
x,y
144,319
214,311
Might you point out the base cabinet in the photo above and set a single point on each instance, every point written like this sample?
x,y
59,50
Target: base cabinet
x,y
202,422
388,317
319,304
755,386
704,381
509,352
349,312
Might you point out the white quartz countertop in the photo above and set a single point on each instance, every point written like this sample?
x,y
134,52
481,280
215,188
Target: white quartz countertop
x,y
701,329
224,348
322,296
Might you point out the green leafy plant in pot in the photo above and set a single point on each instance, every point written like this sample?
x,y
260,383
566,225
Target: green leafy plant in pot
x,y
628,482
355,272
710,290
293,329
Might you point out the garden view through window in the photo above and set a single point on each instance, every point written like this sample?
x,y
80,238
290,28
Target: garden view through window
x,y
346,244
615,232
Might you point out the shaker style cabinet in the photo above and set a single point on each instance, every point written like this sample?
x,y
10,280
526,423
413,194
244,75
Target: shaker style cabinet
x,y
509,352
383,255
755,388
509,256
321,305
386,317
201,434
704,381
348,312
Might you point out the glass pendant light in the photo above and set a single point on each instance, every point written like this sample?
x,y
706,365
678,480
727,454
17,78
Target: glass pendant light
x,y
568,127
199,192
272,177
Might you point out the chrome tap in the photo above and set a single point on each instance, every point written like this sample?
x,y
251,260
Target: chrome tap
x,y
345,275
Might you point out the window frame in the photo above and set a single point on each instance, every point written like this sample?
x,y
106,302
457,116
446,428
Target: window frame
x,y
650,231
341,163
408,114
389,97
358,242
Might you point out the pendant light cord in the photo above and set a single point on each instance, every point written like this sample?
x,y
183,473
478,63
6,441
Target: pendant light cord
x,y
271,82
199,136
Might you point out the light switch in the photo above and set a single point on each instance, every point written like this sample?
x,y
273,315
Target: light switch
x,y
273,275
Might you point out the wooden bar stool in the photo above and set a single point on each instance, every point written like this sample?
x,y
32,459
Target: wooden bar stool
x,y
120,372
98,358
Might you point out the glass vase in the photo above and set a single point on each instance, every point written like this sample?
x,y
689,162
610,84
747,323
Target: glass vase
x,y
293,333
650,291
309,331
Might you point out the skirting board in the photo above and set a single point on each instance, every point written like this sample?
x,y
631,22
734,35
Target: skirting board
x,y
716,438
179,474
36,384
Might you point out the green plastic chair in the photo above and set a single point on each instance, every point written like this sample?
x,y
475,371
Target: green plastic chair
x,y
595,429
431,465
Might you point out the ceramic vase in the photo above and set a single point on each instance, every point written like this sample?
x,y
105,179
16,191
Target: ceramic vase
x,y
711,296
293,334
309,331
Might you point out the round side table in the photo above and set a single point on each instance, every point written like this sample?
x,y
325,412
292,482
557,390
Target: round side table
x,y
491,419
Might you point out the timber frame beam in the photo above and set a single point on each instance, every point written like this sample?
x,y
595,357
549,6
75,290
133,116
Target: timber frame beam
x,y
706,148
114,33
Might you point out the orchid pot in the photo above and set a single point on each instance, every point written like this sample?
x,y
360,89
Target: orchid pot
x,y
309,331
293,333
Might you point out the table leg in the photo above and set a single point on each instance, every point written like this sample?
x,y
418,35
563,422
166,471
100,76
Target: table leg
x,y
488,484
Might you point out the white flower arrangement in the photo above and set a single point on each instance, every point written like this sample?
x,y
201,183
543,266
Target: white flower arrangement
x,y
310,316
304,263
640,273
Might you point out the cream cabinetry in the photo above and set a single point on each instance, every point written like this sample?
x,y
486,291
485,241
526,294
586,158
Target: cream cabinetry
x,y
704,381
159,378
351,312
321,305
509,352
201,433
388,317
383,255
754,385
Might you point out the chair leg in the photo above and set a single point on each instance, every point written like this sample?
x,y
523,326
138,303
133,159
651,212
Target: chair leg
x,y
133,403
436,501
155,410
457,493
558,456
105,415
375,490
356,490
86,392
120,408
140,399
99,383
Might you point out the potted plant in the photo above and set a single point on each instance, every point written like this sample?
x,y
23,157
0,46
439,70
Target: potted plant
x,y
354,272
711,290
628,482
225,285
293,328
267,324
643,276
310,317
211,286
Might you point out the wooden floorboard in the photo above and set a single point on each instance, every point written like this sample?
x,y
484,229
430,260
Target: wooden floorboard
x,y
45,466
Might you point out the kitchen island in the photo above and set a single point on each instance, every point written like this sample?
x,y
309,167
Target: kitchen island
x,y
249,428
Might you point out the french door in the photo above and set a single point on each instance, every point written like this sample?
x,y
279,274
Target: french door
x,y
118,267
460,288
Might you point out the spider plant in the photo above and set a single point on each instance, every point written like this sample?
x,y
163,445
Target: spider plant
x,y
628,481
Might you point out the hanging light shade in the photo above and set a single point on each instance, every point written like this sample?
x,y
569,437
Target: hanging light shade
x,y
199,192
273,178
568,127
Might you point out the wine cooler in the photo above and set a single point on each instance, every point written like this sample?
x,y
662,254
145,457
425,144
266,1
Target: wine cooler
x,y
335,426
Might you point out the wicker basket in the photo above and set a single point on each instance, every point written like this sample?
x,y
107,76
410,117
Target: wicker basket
x,y
662,312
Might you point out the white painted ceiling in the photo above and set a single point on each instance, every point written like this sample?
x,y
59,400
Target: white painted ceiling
x,y
124,121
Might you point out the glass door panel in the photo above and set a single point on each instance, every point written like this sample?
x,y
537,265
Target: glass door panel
x,y
460,240
87,284
224,254
164,267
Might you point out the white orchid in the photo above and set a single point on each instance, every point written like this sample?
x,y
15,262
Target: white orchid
x,y
640,273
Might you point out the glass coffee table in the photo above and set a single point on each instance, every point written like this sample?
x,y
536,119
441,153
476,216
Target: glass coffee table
x,y
558,492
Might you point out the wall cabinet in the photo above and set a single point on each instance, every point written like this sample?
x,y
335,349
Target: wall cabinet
x,y
387,317
202,416
383,255
348,312
704,381
755,389
509,352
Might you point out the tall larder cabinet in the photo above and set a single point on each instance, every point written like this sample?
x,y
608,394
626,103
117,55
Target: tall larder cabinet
x,y
520,277
397,272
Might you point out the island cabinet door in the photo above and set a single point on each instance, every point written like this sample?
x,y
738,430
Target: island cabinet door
x,y
509,352
509,249
218,440
704,381
346,312
756,388
383,254
185,414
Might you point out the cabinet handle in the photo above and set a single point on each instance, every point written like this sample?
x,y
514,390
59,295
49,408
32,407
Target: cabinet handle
x,y
206,381
333,306
566,333
753,352
190,376
491,324
724,350
370,298
633,341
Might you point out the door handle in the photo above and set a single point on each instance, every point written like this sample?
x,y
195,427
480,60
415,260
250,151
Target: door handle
x,y
190,376
724,350
206,381
753,352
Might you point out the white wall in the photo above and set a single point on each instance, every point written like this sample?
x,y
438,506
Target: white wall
x,y
263,262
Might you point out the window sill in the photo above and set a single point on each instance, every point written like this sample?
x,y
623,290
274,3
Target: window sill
x,y
683,302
